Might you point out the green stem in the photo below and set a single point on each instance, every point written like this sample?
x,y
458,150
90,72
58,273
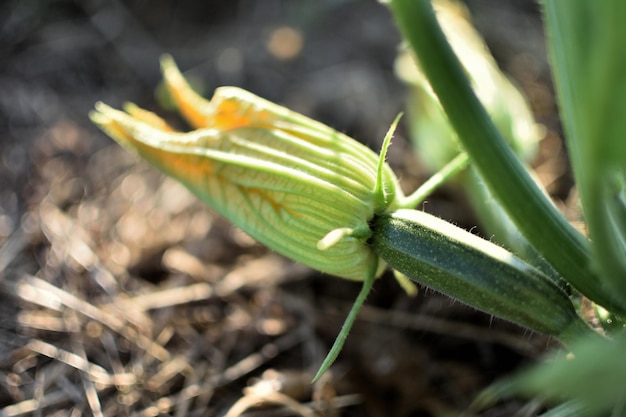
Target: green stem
x,y
368,282
435,181
535,215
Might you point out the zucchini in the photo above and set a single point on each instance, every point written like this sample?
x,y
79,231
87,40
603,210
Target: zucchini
x,y
451,260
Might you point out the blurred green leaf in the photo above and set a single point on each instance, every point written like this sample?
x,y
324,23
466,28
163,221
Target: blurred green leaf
x,y
595,376
571,408
588,383
587,41
433,136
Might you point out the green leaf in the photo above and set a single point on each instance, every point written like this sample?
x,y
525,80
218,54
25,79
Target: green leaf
x,y
594,376
587,41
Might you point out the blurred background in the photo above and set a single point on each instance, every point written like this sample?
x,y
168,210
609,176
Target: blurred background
x,y
123,295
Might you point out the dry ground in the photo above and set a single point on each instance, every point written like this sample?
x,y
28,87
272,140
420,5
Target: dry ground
x,y
122,295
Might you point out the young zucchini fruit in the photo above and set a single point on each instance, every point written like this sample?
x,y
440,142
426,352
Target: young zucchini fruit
x,y
475,271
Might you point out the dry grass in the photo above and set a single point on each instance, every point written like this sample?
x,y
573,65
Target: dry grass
x,y
131,298
122,295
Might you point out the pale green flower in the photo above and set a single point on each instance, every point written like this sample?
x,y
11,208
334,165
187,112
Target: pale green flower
x,y
294,184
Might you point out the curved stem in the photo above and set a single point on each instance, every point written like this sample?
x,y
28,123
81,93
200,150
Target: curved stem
x,y
436,180
535,215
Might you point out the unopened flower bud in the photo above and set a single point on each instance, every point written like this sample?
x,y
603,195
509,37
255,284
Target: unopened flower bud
x,y
294,184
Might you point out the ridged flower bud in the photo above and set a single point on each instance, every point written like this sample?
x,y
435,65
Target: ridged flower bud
x,y
301,188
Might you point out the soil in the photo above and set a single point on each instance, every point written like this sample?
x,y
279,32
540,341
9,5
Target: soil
x,y
123,295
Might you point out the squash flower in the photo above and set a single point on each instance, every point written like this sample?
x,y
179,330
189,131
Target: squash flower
x,y
297,186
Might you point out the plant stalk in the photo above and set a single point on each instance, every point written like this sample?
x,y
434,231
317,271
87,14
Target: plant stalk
x,y
535,215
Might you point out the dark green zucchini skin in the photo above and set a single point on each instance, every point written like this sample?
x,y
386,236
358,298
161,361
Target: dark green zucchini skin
x,y
446,258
